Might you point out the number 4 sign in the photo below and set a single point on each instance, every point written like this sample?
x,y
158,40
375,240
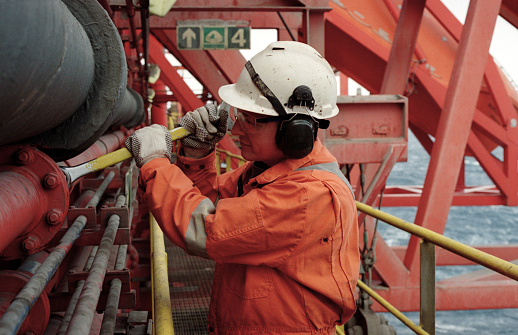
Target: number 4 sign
x,y
238,37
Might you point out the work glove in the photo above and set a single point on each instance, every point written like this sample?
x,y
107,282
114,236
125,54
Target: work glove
x,y
206,126
150,142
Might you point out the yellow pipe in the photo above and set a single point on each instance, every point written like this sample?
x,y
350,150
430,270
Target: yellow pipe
x,y
499,265
392,309
162,314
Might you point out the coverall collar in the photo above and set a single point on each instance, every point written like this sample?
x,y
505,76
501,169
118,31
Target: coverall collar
x,y
286,166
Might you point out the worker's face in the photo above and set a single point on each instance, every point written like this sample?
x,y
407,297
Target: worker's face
x,y
257,139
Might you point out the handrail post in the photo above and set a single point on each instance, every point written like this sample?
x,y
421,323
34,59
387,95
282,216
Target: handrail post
x,y
427,308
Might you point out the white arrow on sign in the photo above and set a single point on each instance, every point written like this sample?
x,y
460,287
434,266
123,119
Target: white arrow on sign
x,y
189,35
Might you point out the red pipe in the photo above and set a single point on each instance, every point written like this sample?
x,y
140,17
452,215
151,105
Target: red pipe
x,y
104,145
22,203
159,109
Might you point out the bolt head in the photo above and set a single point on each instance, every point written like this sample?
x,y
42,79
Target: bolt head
x,y
24,156
54,216
30,243
51,180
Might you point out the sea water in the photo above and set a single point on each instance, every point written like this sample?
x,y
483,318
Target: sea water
x,y
472,225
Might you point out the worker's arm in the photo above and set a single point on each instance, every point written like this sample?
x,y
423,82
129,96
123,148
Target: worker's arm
x,y
178,206
180,210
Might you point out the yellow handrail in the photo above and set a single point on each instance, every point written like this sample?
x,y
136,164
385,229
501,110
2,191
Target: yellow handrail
x,y
228,157
392,309
506,268
162,314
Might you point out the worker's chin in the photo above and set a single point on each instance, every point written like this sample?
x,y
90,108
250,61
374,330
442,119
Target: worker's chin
x,y
247,154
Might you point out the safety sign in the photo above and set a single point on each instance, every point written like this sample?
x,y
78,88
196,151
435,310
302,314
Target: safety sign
x,y
212,37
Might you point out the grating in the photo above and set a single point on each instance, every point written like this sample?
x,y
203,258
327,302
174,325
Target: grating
x,y
190,286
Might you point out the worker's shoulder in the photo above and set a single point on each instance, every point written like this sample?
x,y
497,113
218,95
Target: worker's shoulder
x,y
323,170
328,173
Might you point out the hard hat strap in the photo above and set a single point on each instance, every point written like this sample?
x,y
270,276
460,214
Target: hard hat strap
x,y
261,85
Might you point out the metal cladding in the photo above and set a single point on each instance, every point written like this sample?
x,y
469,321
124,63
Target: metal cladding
x,y
63,84
131,111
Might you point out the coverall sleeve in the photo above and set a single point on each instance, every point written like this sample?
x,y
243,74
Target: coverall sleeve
x,y
176,203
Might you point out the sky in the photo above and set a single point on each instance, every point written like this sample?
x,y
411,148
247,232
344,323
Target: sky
x,y
504,45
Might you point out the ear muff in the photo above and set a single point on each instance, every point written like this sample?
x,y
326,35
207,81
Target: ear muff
x,y
296,136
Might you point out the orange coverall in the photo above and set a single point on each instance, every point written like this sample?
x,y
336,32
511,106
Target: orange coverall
x,y
286,250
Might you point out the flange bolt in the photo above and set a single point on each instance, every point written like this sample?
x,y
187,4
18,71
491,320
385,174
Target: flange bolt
x,y
51,180
54,216
30,243
24,156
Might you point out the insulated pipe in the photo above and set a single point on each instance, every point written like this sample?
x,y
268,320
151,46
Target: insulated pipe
x,y
131,111
45,49
64,76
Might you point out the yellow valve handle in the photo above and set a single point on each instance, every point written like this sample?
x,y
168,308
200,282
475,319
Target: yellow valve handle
x,y
120,155
75,172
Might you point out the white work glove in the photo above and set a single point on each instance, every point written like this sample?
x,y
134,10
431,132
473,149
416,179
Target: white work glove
x,y
150,142
206,126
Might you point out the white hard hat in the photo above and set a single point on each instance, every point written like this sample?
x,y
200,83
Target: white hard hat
x,y
282,67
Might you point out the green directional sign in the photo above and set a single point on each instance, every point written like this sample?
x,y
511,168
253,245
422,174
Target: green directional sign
x,y
189,37
214,38
195,37
238,37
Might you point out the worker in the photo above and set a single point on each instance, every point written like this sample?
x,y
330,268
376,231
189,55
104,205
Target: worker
x,y
282,228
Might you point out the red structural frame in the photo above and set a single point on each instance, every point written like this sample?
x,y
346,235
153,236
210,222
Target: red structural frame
x,y
459,104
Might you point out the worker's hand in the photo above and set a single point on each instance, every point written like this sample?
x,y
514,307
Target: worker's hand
x,y
206,126
150,142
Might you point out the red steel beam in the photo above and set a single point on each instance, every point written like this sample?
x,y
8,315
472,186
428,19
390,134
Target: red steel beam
x,y
509,11
403,46
447,258
171,78
455,295
257,20
364,58
389,267
455,122
394,82
205,66
505,106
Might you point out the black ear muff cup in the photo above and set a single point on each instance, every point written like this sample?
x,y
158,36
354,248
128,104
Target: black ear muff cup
x,y
295,137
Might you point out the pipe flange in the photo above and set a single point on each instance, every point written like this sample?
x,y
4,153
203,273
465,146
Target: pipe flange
x,y
95,115
38,317
52,188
